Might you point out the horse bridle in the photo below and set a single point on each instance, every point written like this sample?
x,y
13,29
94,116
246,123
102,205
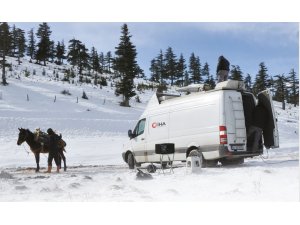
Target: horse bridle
x,y
25,137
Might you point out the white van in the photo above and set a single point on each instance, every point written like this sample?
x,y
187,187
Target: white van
x,y
211,124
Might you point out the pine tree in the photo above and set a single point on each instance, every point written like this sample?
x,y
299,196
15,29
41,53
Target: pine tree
x,y
186,78
102,64
181,67
157,69
72,56
195,69
209,78
44,45
140,72
83,59
5,46
236,73
31,49
281,89
170,65
154,76
78,55
52,51
161,67
95,64
248,82
261,80
294,88
126,66
14,42
20,44
60,52
109,61
205,73
63,51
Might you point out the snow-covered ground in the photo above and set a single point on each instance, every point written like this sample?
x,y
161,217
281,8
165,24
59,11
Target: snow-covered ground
x,y
95,130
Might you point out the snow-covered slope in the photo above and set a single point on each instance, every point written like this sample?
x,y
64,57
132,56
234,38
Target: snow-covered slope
x,y
95,130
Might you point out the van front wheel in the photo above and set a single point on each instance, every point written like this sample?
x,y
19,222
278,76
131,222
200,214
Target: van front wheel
x,y
130,161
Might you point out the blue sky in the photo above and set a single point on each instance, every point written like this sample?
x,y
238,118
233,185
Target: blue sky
x,y
243,44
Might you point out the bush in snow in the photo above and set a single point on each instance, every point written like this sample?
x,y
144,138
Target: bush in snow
x,y
137,99
84,96
102,81
87,80
65,92
27,73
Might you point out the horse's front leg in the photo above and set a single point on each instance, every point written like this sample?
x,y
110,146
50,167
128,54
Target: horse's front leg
x,y
37,159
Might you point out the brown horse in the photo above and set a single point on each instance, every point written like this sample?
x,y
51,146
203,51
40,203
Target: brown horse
x,y
37,147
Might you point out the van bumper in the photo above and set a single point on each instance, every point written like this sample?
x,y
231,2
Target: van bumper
x,y
221,151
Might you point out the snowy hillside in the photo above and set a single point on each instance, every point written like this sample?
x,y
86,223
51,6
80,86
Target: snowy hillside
x,y
95,130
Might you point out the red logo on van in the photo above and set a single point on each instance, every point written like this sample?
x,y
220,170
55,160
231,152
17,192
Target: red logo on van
x,y
158,124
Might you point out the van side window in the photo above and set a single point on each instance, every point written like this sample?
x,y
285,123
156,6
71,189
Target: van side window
x,y
140,127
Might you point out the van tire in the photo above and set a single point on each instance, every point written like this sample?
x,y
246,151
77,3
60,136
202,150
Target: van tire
x,y
130,161
197,153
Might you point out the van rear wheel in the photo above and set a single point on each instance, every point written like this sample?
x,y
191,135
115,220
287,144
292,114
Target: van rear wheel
x,y
130,161
194,153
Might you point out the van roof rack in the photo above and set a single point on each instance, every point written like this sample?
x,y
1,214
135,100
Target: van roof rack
x,y
230,85
225,85
165,96
191,88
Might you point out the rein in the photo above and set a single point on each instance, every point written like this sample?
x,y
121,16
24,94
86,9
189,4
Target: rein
x,y
29,151
26,150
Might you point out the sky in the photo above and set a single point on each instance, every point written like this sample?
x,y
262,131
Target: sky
x,y
245,44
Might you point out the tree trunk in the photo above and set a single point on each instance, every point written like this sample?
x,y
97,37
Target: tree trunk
x,y
283,105
126,102
3,70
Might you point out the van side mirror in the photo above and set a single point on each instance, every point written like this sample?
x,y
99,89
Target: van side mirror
x,y
130,134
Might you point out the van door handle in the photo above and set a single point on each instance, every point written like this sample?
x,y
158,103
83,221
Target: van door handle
x,y
143,139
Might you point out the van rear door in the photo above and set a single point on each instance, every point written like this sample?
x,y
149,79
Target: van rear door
x,y
235,121
271,136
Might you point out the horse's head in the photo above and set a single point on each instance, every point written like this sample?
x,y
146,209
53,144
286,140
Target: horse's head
x,y
23,134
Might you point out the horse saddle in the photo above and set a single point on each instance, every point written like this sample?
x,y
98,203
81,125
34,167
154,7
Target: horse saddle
x,y
43,138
